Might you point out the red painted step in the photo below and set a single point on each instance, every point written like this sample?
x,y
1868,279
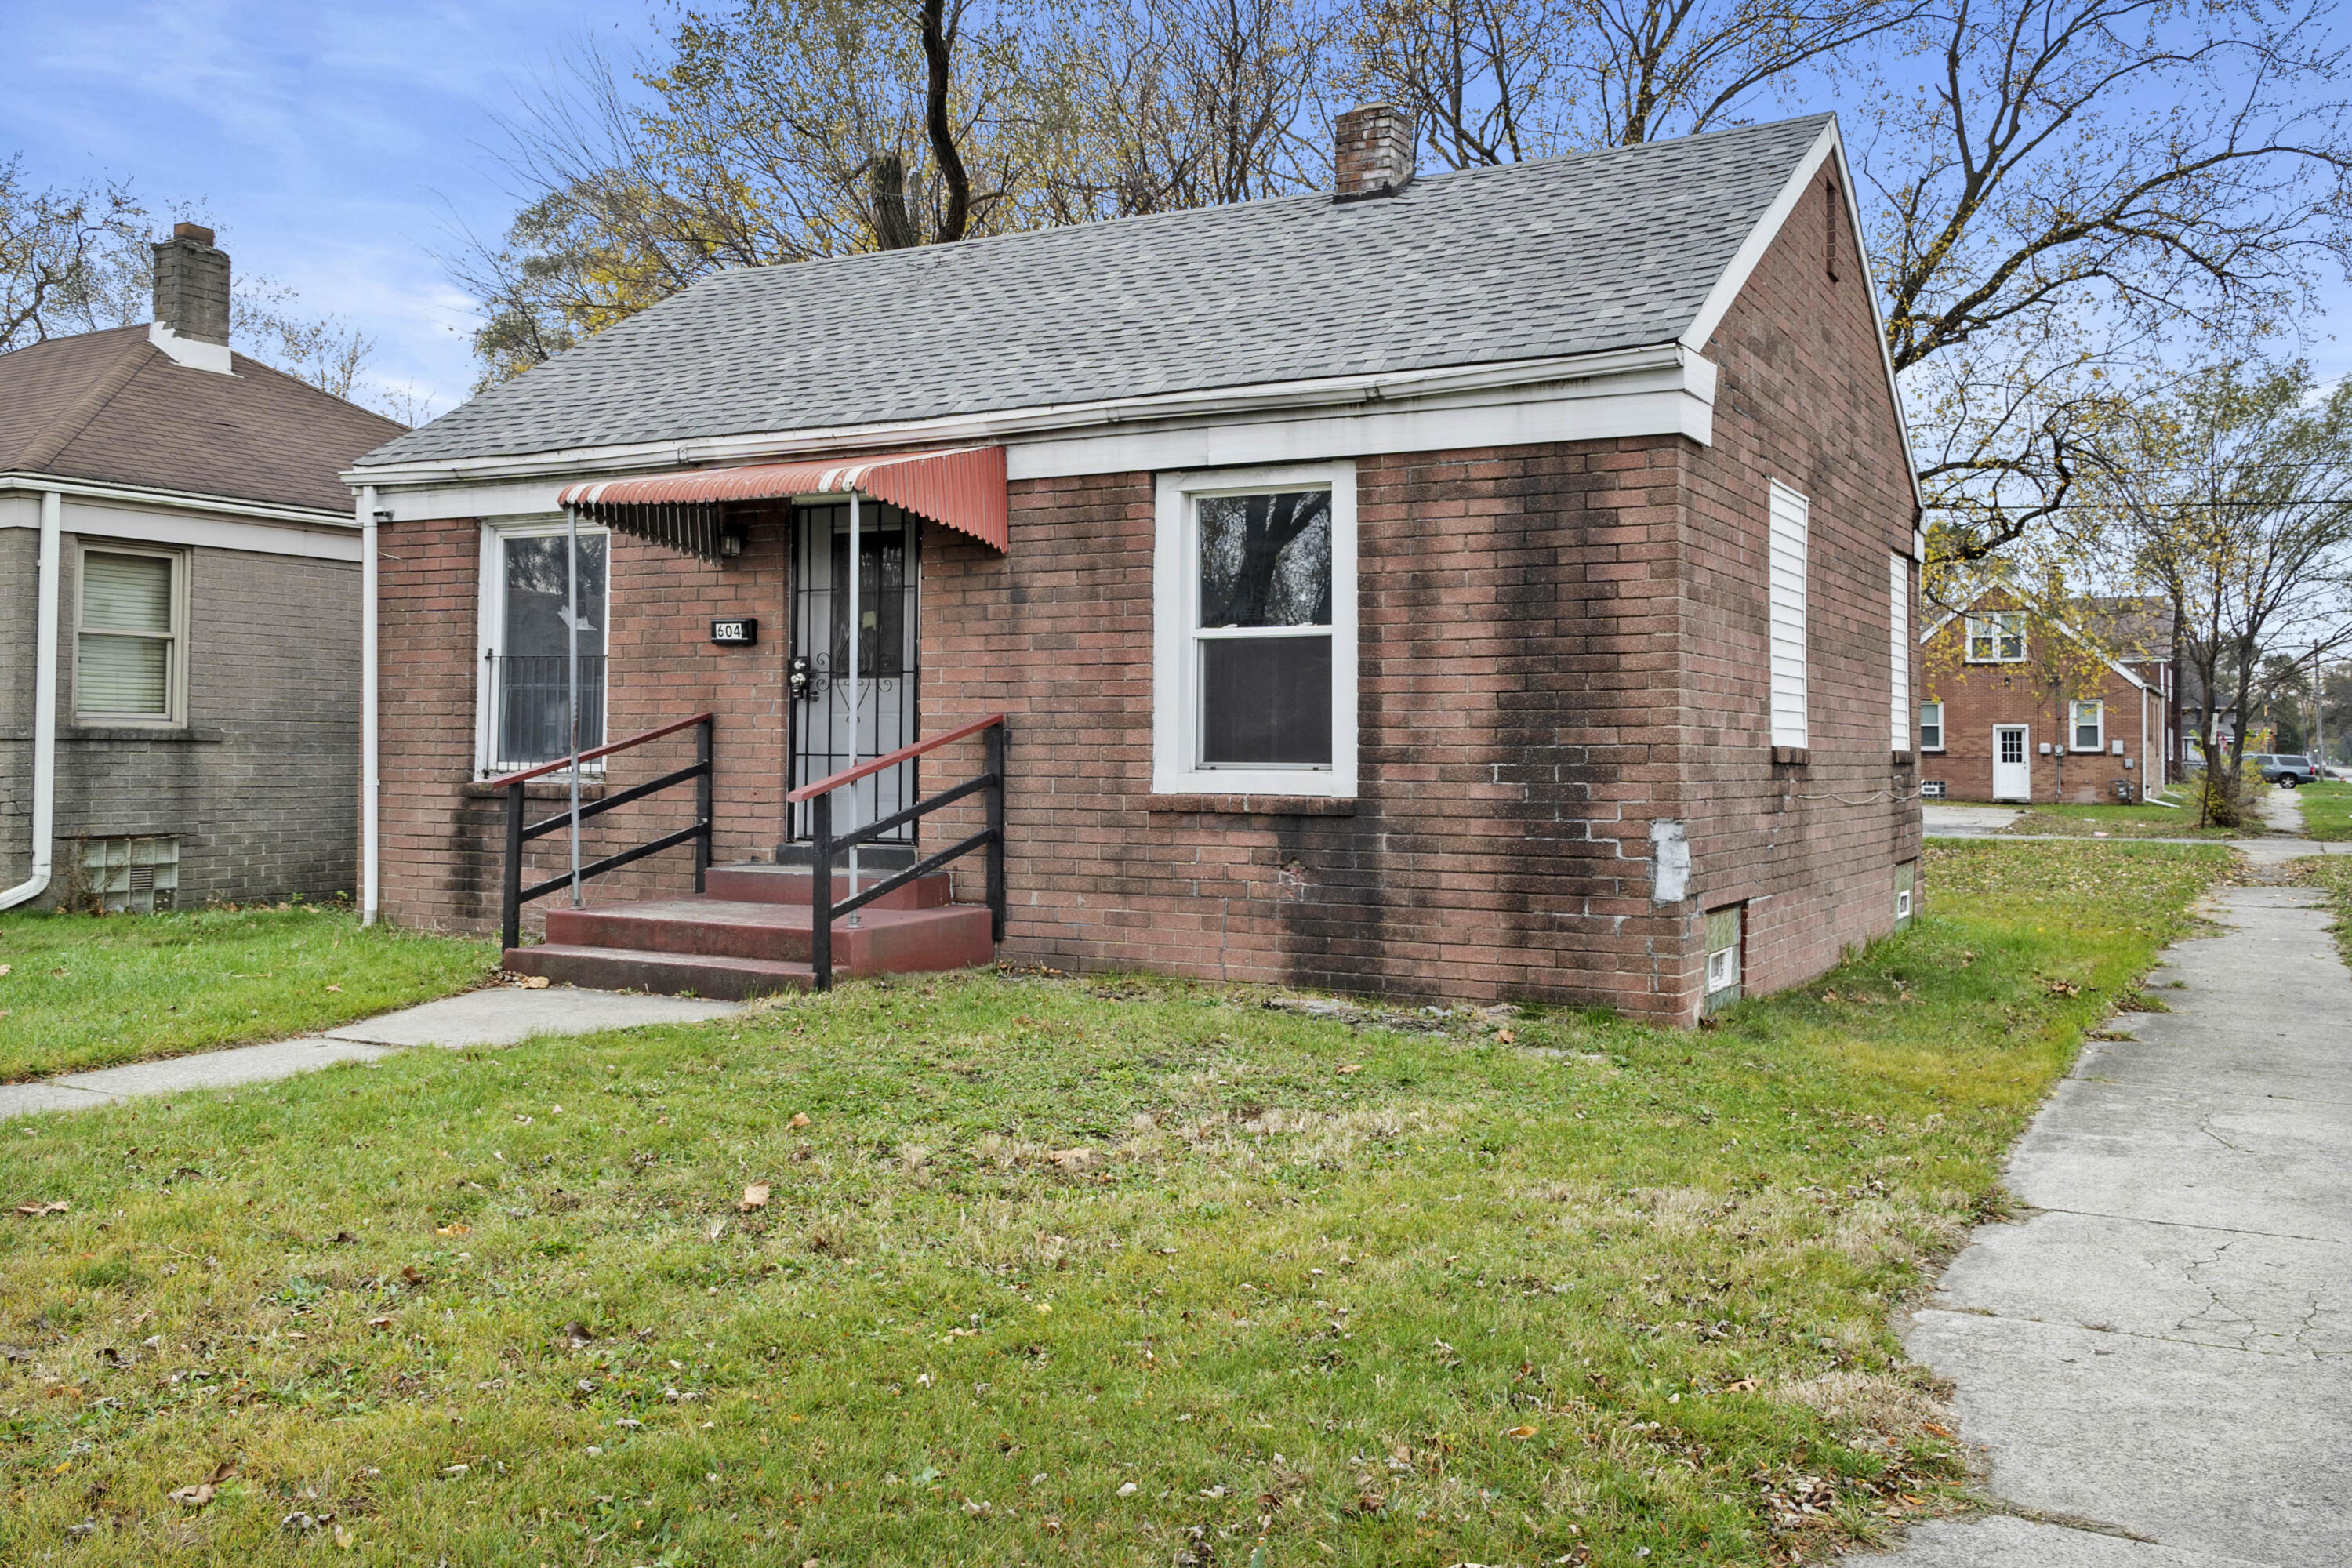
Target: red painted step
x,y
749,936
665,974
790,885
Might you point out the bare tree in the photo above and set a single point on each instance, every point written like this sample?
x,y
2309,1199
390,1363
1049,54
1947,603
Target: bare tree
x,y
70,259
2078,186
1494,81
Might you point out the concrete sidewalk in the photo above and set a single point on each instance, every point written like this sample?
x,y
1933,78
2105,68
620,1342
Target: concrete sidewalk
x,y
505,1015
2158,1360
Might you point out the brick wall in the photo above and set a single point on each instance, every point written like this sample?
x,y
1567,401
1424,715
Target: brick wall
x,y
1559,645
2038,694
443,841
257,786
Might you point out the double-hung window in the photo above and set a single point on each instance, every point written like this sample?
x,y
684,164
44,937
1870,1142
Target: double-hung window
x,y
525,713
1255,605
131,637
2090,727
1789,552
1931,726
1996,638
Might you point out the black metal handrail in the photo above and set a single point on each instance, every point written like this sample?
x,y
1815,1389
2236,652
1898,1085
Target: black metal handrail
x,y
823,909
518,833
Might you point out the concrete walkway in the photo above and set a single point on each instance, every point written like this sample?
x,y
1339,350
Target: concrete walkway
x,y
2159,1359
502,1017
2281,813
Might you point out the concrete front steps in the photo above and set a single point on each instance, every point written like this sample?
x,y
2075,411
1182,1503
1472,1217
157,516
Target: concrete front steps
x,y
748,935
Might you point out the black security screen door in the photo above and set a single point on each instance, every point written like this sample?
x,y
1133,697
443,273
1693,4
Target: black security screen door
x,y
888,657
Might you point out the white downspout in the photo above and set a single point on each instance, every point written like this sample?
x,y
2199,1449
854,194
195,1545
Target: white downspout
x,y
370,779
44,708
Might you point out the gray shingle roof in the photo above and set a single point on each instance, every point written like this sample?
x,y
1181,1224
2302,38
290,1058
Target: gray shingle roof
x,y
1571,255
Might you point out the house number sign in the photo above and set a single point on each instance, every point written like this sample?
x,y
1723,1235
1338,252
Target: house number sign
x,y
742,633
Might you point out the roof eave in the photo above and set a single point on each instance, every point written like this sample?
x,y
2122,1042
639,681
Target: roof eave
x,y
1016,424
185,501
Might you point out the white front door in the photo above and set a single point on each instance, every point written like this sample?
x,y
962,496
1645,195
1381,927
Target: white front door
x,y
2012,768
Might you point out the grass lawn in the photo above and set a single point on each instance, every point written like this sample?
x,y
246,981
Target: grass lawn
x,y
89,991
2118,822
1095,1270
2326,810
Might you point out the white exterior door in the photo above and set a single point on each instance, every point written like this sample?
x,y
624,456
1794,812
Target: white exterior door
x,y
2012,768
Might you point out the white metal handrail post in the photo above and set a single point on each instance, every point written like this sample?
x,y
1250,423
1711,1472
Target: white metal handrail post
x,y
571,677
856,636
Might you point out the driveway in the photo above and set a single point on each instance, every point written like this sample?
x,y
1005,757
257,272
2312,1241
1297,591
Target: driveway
x,y
2156,1359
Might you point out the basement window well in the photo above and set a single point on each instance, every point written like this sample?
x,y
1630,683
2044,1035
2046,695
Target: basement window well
x,y
131,876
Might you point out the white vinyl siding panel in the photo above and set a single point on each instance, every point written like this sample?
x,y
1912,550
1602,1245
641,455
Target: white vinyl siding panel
x,y
1789,549
1898,646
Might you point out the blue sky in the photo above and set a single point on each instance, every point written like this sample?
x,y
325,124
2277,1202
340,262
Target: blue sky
x,y
336,147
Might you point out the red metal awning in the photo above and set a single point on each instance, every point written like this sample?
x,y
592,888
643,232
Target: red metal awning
x,y
962,489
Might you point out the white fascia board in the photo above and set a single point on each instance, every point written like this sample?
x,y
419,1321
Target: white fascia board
x,y
1751,255
1010,426
161,517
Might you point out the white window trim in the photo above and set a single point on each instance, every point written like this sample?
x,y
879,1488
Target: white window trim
x,y
489,635
1899,648
1788,584
1938,704
2075,725
176,679
1175,592
1994,618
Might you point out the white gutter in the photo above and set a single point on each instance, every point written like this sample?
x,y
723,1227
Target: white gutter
x,y
1697,372
185,501
44,708
371,777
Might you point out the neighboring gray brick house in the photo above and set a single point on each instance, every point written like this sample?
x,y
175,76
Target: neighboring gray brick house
x,y
206,627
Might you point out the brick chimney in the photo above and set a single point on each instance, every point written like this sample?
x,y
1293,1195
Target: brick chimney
x,y
191,298
1372,149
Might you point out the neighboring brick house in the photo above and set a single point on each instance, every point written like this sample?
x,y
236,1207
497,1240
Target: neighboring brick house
x,y
1493,584
2018,706
175,546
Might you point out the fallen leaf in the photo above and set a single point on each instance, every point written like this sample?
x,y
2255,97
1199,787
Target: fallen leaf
x,y
1938,1431
1072,1159
334,988
1520,1432
382,1323
1505,1035
1346,1068
36,1210
5,968
755,1196
534,983
452,1229
800,1119
193,1497
1829,995
345,1238
1127,1489
579,1333
345,1539
408,1272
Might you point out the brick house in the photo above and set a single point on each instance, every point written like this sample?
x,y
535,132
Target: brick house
x,y
1491,584
2023,706
179,614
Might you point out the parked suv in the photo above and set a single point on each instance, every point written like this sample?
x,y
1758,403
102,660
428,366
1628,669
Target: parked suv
x,y
2288,772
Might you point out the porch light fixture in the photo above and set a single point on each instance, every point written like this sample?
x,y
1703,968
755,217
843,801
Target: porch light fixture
x,y
730,542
